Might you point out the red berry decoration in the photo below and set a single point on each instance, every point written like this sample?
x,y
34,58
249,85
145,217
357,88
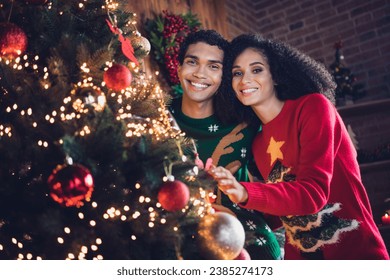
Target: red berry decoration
x,y
117,77
173,195
243,255
13,40
70,184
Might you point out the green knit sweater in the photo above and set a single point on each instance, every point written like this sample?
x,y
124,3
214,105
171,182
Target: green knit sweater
x,y
230,145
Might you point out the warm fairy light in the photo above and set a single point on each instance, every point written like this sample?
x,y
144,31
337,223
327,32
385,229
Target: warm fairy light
x,y
60,240
81,216
84,249
1,247
67,230
133,237
141,199
137,186
136,215
126,208
151,224
81,256
29,256
99,241
94,204
123,218
71,256
20,245
163,221
175,228
20,256
94,247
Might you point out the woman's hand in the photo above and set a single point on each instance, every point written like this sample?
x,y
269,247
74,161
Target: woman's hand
x,y
228,184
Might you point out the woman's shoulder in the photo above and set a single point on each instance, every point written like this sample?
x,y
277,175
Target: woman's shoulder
x,y
314,100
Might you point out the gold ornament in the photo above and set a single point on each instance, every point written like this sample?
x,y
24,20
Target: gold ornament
x,y
142,43
221,236
88,97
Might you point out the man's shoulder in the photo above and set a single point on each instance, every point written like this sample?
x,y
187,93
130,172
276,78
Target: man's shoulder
x,y
175,104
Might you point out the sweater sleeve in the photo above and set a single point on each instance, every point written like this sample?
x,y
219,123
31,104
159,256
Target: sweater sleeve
x,y
309,192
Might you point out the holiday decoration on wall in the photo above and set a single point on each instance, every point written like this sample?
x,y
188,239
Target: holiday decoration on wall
x,y
166,33
76,90
347,90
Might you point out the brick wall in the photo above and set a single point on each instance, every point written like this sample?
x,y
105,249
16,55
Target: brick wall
x,y
314,27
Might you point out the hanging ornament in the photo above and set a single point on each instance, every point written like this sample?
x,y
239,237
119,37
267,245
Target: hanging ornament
x,y
127,48
221,236
70,184
117,77
13,40
173,195
88,97
140,42
243,255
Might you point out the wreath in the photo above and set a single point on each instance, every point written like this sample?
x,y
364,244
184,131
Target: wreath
x,y
166,32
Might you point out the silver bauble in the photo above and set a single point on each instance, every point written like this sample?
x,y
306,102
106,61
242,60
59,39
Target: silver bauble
x,y
221,236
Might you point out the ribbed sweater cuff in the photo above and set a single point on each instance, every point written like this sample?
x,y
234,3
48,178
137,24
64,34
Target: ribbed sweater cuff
x,y
257,200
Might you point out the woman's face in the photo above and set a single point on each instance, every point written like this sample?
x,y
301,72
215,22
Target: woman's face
x,y
252,80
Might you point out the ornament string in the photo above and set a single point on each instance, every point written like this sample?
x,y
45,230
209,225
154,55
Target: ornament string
x,y
168,169
10,11
127,48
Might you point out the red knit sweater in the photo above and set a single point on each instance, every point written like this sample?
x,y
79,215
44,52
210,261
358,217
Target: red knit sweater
x,y
314,184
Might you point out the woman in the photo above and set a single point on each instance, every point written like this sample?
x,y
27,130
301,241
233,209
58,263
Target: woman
x,y
304,153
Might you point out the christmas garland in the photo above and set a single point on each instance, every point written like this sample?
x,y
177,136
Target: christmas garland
x,y
166,32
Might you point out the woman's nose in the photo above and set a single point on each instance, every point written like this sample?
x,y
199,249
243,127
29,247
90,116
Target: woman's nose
x,y
246,78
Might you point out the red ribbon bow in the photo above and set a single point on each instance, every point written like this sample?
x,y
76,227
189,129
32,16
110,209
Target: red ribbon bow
x,y
127,48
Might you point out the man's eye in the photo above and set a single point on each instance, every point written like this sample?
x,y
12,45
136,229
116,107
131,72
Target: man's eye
x,y
214,66
190,62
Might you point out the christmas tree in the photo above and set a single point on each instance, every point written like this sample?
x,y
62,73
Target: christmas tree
x,y
345,79
92,165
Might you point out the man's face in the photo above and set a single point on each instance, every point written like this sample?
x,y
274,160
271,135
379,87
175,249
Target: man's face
x,y
201,73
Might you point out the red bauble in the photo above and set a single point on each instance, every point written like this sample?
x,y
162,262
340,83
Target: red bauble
x,y
173,195
243,255
13,40
117,77
70,184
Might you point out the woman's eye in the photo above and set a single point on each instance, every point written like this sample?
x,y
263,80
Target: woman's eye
x,y
237,74
257,70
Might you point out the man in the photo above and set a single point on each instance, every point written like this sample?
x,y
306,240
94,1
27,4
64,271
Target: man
x,y
217,137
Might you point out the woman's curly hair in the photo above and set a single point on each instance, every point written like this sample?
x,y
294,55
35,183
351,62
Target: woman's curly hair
x,y
294,73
